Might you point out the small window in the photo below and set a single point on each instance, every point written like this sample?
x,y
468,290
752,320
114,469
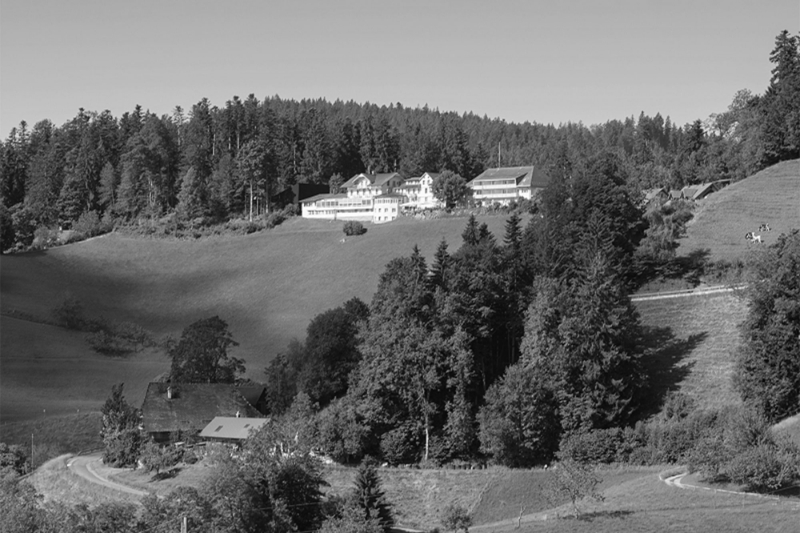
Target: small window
x,y
217,430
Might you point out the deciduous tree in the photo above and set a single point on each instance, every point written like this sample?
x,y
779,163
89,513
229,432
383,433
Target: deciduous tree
x,y
201,354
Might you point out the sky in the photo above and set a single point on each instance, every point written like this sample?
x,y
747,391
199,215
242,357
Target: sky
x,y
586,61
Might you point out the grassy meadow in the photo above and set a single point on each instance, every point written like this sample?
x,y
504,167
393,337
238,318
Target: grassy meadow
x,y
695,340
635,499
721,221
267,286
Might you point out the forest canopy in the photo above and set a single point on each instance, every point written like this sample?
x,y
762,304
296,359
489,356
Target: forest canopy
x,y
212,161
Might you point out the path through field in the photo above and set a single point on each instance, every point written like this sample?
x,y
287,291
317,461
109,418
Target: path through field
x,y
84,466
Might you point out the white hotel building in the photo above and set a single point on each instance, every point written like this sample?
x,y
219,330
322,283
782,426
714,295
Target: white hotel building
x,y
379,198
369,197
507,184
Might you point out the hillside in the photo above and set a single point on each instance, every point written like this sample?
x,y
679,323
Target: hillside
x,y
721,221
267,286
695,340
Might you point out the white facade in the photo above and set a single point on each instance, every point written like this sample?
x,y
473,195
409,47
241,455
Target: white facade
x,y
419,192
504,185
369,197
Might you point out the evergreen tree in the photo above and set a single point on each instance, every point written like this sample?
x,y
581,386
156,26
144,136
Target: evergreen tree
x,y
120,430
370,496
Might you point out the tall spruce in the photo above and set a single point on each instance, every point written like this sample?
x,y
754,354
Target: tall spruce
x,y
370,496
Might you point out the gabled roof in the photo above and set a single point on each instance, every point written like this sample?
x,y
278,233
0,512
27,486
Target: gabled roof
x,y
525,177
433,175
675,194
192,406
649,194
233,428
374,179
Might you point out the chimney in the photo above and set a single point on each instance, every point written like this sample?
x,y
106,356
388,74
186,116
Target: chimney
x,y
237,414
169,392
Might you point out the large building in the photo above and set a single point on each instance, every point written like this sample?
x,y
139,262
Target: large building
x,y
369,197
507,184
419,192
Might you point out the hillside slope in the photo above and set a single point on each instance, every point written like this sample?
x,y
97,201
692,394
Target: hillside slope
x,y
267,286
721,221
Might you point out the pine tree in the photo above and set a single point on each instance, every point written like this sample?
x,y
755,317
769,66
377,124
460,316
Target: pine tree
x,y
441,264
370,495
470,235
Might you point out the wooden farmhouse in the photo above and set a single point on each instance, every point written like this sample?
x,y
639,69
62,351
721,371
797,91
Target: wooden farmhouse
x,y
172,410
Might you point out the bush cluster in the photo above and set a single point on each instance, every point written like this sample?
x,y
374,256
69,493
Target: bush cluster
x,y
353,227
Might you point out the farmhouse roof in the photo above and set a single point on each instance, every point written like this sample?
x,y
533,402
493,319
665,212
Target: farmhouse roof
x,y
533,177
675,194
231,427
192,406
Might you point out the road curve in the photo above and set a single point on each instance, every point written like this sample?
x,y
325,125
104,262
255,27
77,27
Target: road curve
x,y
82,465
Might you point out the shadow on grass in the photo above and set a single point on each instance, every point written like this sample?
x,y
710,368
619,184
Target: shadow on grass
x,y
664,355
169,474
588,517
689,268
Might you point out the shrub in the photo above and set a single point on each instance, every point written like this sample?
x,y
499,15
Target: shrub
x,y
595,446
456,517
762,468
89,224
353,227
45,237
69,313
274,219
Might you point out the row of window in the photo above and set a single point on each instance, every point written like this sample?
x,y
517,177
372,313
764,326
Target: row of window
x,y
494,192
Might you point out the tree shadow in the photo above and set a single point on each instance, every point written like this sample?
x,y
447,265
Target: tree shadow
x,y
619,513
690,267
664,363
168,474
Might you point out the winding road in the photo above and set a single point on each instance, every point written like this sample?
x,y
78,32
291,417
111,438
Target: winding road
x,y
83,466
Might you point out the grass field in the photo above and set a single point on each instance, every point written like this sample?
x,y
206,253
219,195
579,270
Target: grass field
x,y
721,221
267,286
636,500
696,354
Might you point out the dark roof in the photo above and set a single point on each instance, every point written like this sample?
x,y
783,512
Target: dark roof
x,y
374,179
251,393
533,177
192,406
231,428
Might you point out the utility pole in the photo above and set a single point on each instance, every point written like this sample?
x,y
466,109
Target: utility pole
x,y
31,469
184,525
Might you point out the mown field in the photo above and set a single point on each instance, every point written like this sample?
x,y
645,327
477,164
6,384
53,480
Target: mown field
x,y
721,221
694,339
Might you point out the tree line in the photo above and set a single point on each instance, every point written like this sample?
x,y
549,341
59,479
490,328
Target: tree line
x,y
215,163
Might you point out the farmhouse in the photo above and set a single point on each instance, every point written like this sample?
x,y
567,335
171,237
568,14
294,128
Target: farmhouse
x,y
655,196
187,408
506,184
